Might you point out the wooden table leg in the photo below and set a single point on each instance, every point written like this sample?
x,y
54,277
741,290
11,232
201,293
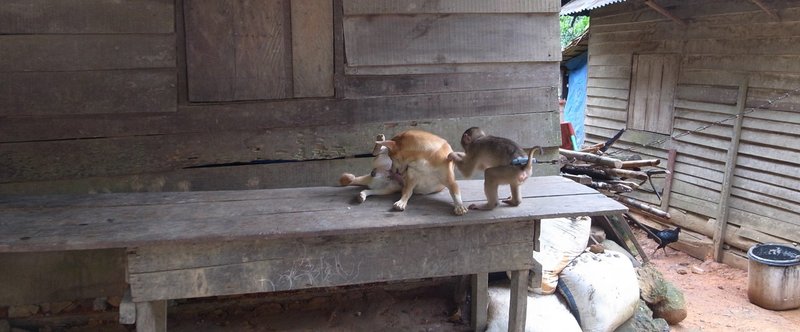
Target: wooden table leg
x,y
480,300
151,316
519,301
536,279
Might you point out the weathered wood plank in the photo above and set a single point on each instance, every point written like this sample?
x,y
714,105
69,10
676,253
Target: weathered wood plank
x,y
434,39
86,16
54,160
244,177
146,262
760,63
442,68
706,93
38,229
85,52
621,94
267,115
312,48
371,7
61,276
84,92
536,75
238,50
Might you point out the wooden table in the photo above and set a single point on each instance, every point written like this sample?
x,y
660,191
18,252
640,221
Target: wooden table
x,y
197,244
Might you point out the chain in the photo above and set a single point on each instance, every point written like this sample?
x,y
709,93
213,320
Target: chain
x,y
765,105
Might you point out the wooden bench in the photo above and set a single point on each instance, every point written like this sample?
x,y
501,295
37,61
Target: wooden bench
x,y
198,244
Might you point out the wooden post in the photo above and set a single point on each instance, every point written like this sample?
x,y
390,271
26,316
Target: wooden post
x,y
730,166
480,298
519,301
665,196
151,316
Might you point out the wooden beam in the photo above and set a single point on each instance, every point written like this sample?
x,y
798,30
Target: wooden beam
x,y
665,196
766,9
730,167
663,11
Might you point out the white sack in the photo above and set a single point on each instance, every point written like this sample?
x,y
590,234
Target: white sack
x,y
545,313
560,241
605,289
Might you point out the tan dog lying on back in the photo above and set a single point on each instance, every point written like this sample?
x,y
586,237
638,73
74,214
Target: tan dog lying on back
x,y
421,159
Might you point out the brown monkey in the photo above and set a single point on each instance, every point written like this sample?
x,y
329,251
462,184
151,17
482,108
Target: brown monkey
x,y
502,161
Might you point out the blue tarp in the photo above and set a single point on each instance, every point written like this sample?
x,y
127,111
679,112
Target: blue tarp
x,y
575,107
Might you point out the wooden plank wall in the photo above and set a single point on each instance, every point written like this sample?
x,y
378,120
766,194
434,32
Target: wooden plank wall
x,y
89,104
723,42
98,95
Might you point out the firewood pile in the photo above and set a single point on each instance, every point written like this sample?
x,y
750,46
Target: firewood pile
x,y
614,177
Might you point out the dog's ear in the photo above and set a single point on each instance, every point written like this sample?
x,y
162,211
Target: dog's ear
x,y
389,144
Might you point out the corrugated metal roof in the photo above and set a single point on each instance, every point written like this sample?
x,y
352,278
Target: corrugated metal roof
x,y
577,6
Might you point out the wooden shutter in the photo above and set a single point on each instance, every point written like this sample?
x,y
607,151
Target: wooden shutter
x,y
653,81
256,49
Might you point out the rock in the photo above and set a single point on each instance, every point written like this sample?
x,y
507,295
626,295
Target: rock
x,y
100,304
115,301
55,307
598,234
697,270
643,321
682,271
597,248
673,307
661,296
21,311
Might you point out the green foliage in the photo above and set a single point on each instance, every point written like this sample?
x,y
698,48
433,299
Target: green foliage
x,y
572,27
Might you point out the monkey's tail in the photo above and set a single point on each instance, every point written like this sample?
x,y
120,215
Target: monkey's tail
x,y
529,165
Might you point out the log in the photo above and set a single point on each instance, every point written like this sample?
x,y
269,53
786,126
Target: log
x,y
626,173
582,179
591,158
639,163
594,173
616,187
625,183
634,204
593,148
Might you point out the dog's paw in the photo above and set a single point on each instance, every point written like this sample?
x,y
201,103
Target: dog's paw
x,y
362,196
400,205
460,210
346,179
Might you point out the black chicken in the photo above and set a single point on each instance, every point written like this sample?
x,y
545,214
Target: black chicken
x,y
663,237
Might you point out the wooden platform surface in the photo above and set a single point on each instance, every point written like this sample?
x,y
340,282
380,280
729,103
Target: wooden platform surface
x,y
98,221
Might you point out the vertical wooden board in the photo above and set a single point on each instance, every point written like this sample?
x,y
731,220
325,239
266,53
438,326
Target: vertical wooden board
x,y
238,50
209,49
88,92
653,92
312,47
457,38
669,80
367,7
86,16
640,99
633,90
262,33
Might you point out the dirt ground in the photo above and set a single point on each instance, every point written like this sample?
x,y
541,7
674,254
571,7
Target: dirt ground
x,y
716,298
